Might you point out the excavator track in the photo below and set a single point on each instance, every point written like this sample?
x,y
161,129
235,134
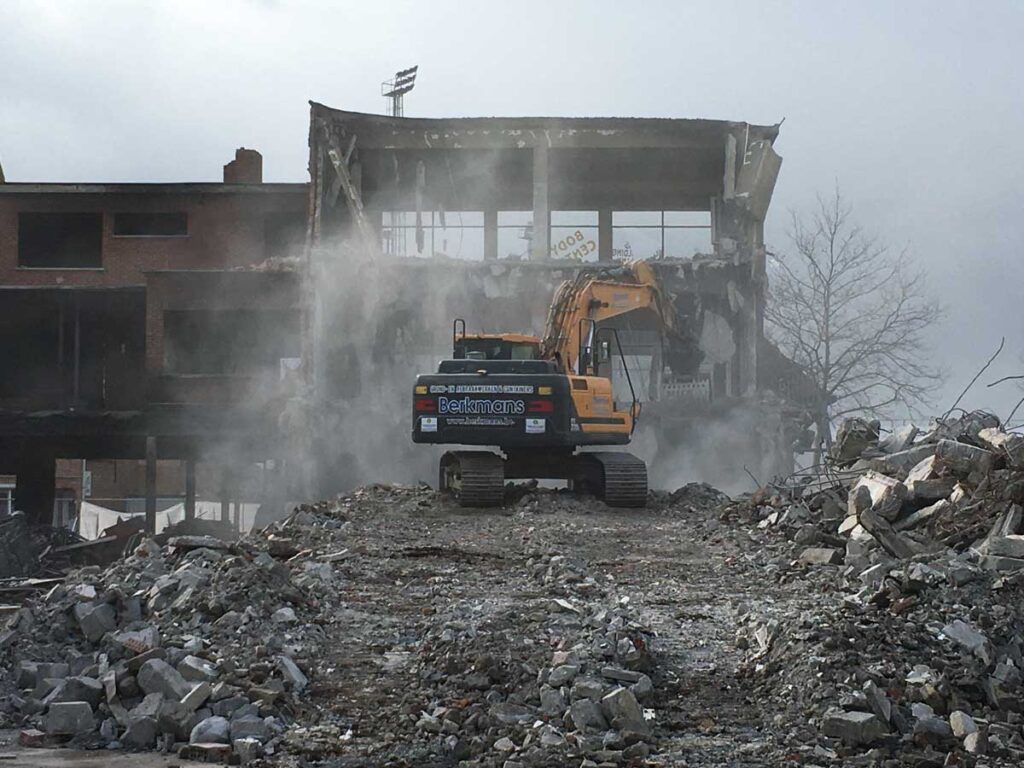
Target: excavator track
x,y
475,478
625,479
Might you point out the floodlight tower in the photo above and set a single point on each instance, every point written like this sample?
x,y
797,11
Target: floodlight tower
x,y
395,90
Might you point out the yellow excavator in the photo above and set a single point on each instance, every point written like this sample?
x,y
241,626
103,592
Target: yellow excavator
x,y
545,402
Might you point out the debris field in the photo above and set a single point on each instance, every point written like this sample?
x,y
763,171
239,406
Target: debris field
x,y
868,613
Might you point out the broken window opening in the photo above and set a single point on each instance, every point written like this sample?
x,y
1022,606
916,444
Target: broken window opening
x,y
451,234
660,234
229,342
136,224
60,240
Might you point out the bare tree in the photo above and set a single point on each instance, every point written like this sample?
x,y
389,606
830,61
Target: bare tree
x,y
852,314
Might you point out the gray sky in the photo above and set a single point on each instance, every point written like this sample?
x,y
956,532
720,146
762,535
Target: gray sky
x,y
914,108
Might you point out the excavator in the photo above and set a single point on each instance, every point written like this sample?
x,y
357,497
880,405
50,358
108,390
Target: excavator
x,y
545,403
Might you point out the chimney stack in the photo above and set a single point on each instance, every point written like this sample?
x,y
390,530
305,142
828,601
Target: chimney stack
x,y
246,168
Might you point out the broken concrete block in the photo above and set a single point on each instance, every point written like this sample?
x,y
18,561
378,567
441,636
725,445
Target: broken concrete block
x,y
292,674
212,730
148,707
926,469
562,675
922,516
623,711
552,702
198,670
95,619
878,701
251,727
853,728
284,615
976,743
890,541
195,698
853,437
969,638
186,543
898,440
1008,444
68,718
930,490
586,688
850,521
962,458
961,723
1007,546
858,500
997,563
587,716
247,749
931,730
81,688
141,733
887,494
26,674
903,461
157,676
821,556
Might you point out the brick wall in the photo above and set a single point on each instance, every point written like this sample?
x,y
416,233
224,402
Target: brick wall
x,y
225,229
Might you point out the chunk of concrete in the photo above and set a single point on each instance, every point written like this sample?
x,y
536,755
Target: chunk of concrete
x,y
284,615
157,676
1007,546
198,670
247,749
80,688
821,556
968,637
1008,444
251,728
587,716
926,469
292,674
963,458
961,723
212,730
141,733
887,494
853,728
891,542
95,619
898,440
623,711
198,696
68,718
930,490
922,516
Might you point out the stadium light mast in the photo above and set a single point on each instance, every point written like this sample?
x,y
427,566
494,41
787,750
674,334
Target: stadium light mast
x,y
395,89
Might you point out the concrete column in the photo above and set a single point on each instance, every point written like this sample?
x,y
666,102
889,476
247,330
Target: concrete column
x,y
541,245
604,234
150,484
190,489
490,235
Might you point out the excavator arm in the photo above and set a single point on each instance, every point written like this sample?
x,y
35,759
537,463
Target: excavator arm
x,y
582,304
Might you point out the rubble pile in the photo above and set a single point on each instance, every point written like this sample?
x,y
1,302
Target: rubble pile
x,y
563,676
919,657
229,651
198,642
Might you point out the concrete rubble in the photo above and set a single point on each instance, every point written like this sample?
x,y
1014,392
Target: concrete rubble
x,y
917,660
868,614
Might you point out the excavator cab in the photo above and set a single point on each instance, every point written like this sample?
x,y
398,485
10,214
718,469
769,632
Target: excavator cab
x,y
498,346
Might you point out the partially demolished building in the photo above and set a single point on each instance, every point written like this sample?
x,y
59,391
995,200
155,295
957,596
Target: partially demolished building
x,y
221,325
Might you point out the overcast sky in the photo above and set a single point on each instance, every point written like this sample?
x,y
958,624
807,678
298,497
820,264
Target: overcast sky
x,y
915,108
